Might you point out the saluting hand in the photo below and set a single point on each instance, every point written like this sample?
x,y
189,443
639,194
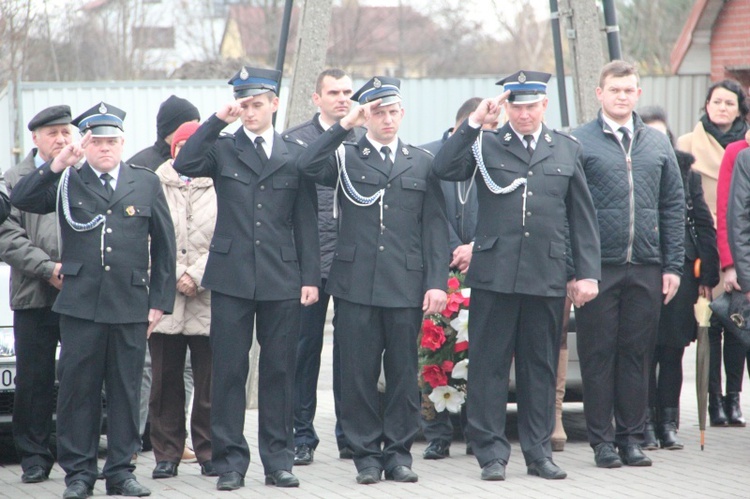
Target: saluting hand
x,y
230,111
359,115
489,110
70,154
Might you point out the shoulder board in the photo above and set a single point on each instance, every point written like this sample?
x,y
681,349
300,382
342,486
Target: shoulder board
x,y
226,135
300,126
420,149
294,140
139,167
565,134
495,131
350,143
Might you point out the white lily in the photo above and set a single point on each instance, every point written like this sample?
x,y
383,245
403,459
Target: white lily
x,y
461,325
447,397
461,370
466,292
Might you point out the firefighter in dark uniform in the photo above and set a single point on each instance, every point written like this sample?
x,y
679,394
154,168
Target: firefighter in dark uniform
x,y
264,260
114,222
388,270
530,181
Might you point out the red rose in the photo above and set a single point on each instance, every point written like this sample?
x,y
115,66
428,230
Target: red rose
x,y
433,335
461,346
447,366
454,283
455,300
434,376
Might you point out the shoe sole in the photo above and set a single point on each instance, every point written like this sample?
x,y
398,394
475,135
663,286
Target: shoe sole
x,y
231,487
556,477
119,492
493,478
609,466
34,480
303,462
368,480
432,457
411,479
638,464
159,476
271,481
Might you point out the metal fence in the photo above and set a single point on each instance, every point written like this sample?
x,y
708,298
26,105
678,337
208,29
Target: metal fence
x,y
430,104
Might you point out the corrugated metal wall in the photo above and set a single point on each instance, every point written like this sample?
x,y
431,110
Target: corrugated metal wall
x,y
430,104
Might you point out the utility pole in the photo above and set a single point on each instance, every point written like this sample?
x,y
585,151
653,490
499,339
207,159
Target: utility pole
x,y
582,28
310,59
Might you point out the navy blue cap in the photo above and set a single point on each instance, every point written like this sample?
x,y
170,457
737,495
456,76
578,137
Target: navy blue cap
x,y
379,87
253,81
104,120
526,87
53,115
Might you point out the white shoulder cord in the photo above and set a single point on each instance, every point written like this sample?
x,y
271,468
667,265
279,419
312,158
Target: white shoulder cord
x,y
476,148
64,200
350,191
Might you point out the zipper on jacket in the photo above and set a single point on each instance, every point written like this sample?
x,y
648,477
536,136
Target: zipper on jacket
x,y
631,193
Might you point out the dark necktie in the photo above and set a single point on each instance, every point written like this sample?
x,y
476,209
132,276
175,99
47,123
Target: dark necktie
x,y
107,178
260,150
387,153
529,139
625,138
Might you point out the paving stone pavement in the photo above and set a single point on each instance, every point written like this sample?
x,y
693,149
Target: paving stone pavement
x,y
722,470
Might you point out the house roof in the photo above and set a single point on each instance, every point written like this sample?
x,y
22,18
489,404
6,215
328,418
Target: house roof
x,y
696,33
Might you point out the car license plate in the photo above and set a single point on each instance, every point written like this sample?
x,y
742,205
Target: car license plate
x,y
7,378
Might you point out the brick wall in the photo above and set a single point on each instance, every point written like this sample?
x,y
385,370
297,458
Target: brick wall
x,y
730,42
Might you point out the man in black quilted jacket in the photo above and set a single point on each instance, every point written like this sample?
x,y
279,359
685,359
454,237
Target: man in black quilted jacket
x,y
635,182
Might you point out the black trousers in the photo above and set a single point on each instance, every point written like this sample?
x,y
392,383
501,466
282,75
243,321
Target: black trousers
x,y
734,355
311,331
506,327
93,354
370,337
277,329
665,377
37,333
167,401
616,337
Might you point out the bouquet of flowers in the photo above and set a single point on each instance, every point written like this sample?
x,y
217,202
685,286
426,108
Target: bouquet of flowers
x,y
443,352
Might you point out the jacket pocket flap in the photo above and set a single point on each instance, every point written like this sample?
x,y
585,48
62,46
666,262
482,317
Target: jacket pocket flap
x,y
556,249
241,175
415,184
345,253
70,268
414,262
285,182
484,243
364,178
137,211
560,169
288,254
220,244
84,204
140,278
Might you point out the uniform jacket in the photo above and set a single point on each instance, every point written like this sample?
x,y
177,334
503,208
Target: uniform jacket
x,y
393,267
462,218
28,243
193,209
265,246
308,132
641,208
722,196
738,218
153,156
108,281
510,257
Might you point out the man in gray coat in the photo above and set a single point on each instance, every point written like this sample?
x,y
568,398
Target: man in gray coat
x,y
28,243
530,182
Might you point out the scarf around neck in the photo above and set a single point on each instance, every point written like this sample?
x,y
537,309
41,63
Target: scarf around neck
x,y
735,133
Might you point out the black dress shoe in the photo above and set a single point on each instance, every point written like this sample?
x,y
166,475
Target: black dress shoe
x,y
545,468
368,476
78,490
402,474
493,471
35,474
128,487
605,456
437,449
207,469
632,455
346,453
282,478
650,441
230,480
732,409
716,413
303,455
164,469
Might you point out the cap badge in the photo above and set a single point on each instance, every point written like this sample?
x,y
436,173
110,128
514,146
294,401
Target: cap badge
x,y
130,211
377,83
366,151
244,74
507,137
103,108
405,151
521,77
547,138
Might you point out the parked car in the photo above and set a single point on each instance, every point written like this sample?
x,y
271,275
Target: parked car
x,y
7,353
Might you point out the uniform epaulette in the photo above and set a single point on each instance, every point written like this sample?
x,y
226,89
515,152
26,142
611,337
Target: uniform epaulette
x,y
565,134
420,149
294,140
226,135
496,130
350,143
140,167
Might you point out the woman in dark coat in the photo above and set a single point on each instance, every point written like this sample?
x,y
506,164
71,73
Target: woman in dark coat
x,y
677,325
